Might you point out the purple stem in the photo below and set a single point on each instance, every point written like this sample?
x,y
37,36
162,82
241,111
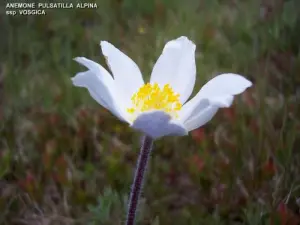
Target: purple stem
x,y
138,179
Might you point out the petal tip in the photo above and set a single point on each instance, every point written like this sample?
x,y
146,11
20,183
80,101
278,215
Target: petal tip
x,y
183,38
79,59
76,58
249,83
103,43
104,46
74,80
186,40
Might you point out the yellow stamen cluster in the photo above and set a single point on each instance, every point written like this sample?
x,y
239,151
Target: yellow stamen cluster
x,y
152,97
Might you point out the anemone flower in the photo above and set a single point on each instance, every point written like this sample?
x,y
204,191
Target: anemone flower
x,y
160,107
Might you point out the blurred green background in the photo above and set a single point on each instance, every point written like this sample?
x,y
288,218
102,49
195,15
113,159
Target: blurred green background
x,y
65,160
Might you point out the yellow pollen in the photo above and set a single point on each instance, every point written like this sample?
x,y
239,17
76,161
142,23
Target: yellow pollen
x,y
152,97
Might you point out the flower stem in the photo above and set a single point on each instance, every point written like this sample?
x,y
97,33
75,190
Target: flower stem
x,y
138,179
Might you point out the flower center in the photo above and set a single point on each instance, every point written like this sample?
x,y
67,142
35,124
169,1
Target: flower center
x,y
152,97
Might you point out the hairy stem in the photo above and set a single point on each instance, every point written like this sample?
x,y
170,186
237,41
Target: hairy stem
x,y
138,179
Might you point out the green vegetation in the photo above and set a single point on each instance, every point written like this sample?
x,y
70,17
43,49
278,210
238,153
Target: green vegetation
x,y
65,160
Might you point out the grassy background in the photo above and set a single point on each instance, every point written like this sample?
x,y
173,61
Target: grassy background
x,y
65,160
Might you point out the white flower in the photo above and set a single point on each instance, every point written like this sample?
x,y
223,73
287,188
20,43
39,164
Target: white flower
x,y
158,108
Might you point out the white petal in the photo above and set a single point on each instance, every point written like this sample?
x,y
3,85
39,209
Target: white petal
x,y
219,91
127,75
157,124
100,85
225,84
201,118
176,66
188,110
222,102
